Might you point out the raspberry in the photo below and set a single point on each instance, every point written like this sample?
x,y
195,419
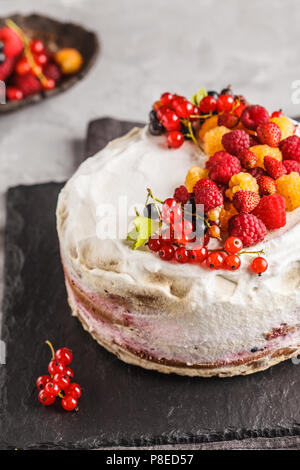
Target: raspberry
x,y
286,126
208,124
274,168
51,70
235,141
289,187
253,116
204,183
257,172
6,68
241,182
245,201
248,228
210,198
222,166
291,165
227,211
269,133
228,120
248,159
28,84
194,174
13,44
212,141
253,140
181,194
266,185
262,150
290,148
271,210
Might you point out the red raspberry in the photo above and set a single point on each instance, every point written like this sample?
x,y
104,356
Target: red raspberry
x,y
290,148
271,210
254,115
210,198
266,185
245,201
222,166
269,134
7,68
291,166
13,44
51,70
257,172
253,140
235,141
248,228
181,194
247,158
204,183
274,168
28,84
228,120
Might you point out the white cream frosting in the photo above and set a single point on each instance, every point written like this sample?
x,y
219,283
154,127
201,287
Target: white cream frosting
x,y
217,311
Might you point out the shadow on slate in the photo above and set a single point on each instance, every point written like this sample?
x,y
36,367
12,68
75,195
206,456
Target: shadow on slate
x,y
121,404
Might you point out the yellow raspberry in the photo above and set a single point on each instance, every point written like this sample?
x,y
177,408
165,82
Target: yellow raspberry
x,y
227,211
286,126
194,174
262,150
212,141
241,182
208,124
289,187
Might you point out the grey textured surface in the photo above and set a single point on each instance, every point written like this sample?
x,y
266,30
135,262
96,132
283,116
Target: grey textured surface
x,y
148,48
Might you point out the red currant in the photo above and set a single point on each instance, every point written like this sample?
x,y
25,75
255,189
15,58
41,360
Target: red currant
x,y
171,121
171,211
184,109
166,252
41,381
23,67
69,372
276,114
37,46
208,104
201,254
206,239
49,84
52,389
196,113
154,244
41,59
74,389
215,260
69,403
259,265
166,98
181,255
14,94
233,245
183,239
176,101
64,355
62,380
162,111
167,237
175,139
46,399
225,103
184,227
232,262
56,367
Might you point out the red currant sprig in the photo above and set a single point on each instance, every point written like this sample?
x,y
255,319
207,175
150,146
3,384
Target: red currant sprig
x,y
58,384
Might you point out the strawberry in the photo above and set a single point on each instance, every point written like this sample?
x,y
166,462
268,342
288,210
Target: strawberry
x,y
274,168
266,185
247,158
245,201
269,134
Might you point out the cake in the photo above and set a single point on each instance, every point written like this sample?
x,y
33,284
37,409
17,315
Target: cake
x,y
188,315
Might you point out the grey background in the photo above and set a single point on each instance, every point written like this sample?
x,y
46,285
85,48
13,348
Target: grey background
x,y
149,47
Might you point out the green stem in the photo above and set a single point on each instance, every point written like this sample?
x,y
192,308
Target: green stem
x,y
192,136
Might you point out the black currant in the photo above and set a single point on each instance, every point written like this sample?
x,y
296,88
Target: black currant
x,y
156,128
227,91
150,211
214,94
152,116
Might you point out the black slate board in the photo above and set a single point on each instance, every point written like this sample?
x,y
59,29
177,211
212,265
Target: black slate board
x,y
121,404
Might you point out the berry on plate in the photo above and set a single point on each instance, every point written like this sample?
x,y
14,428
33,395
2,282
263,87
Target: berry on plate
x,y
13,44
262,150
222,166
269,134
212,141
210,198
271,210
289,187
274,168
290,148
235,141
291,165
253,116
248,228
267,185
286,126
245,201
259,265
241,182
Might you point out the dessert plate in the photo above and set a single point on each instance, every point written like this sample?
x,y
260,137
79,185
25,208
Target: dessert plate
x,y
121,404
52,31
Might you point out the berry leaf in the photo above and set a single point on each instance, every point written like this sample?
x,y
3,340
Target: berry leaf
x,y
142,231
197,97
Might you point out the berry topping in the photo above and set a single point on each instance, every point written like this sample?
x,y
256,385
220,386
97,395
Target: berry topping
x,y
233,245
215,260
262,150
274,168
269,134
289,187
245,201
210,198
225,103
271,210
208,104
286,126
266,185
291,166
194,174
167,252
259,265
204,183
181,195
253,116
290,148
247,158
232,262
248,228
235,141
222,166
241,182
212,141
228,120
175,139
